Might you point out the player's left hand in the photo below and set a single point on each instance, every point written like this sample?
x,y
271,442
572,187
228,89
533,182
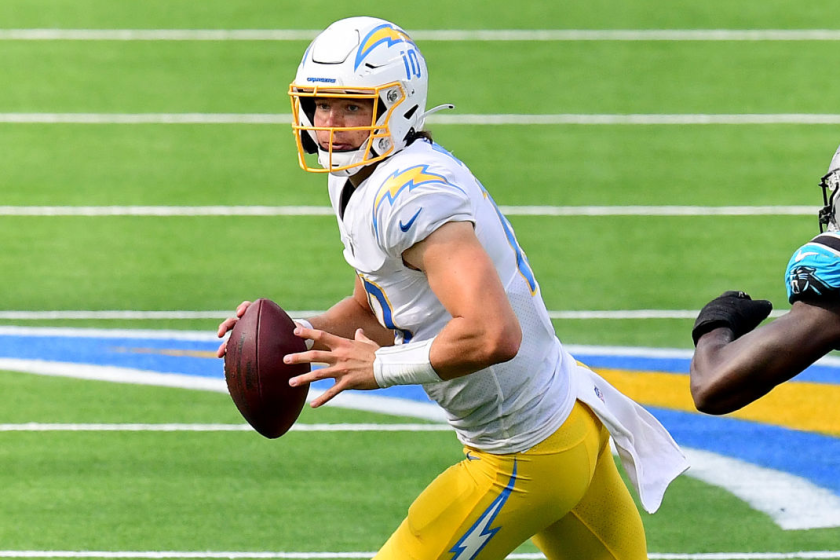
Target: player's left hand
x,y
228,324
349,362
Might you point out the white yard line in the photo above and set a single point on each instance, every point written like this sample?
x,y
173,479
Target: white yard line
x,y
355,400
165,211
145,334
638,119
90,211
208,336
145,118
427,35
768,490
659,210
440,119
804,555
223,314
45,427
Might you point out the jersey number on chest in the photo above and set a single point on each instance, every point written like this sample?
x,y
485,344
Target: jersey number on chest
x,y
380,305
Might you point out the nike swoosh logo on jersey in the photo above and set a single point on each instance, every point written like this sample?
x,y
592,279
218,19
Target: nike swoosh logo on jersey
x,y
407,226
800,255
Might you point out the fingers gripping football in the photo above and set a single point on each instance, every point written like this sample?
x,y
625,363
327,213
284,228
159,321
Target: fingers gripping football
x,y
349,362
228,325
734,310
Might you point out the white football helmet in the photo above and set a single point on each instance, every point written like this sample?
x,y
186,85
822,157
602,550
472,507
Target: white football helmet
x,y
360,58
830,184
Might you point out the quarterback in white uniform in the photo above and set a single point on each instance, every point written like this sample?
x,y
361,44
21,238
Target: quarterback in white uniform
x,y
409,196
445,298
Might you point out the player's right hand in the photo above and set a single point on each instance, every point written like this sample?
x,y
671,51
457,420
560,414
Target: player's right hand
x,y
228,324
735,310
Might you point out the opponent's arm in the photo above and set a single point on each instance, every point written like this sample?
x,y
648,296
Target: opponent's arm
x,y
729,371
484,329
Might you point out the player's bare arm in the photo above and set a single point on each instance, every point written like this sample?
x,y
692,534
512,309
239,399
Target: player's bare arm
x,y
350,314
729,373
484,329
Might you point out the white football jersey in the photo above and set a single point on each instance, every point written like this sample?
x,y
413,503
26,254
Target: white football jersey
x,y
508,407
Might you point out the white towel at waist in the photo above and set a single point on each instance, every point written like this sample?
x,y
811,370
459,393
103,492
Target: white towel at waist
x,y
649,454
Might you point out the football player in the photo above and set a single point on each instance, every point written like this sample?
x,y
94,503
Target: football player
x,y
733,364
445,297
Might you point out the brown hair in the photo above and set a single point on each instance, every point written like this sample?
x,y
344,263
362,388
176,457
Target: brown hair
x,y
415,135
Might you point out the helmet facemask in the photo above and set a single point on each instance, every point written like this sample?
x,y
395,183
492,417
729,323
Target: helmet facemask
x,y
378,145
830,184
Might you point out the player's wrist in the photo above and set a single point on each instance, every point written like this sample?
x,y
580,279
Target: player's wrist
x,y
720,326
406,364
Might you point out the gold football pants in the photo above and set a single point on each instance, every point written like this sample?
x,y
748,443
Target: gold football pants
x,y
565,494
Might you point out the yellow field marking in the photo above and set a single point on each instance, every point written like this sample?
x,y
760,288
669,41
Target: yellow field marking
x,y
805,406
166,352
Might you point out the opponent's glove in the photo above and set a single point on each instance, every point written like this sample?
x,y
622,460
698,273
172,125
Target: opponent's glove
x,y
735,310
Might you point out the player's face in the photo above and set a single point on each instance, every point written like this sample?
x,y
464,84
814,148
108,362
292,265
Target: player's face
x,y
337,112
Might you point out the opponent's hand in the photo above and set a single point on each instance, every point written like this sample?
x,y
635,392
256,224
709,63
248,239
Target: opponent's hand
x,y
735,310
349,362
228,324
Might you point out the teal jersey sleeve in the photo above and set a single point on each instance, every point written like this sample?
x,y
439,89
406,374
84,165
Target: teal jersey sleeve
x,y
814,270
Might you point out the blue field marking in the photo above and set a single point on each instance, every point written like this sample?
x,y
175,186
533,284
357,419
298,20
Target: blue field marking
x,y
815,457
136,353
811,456
146,354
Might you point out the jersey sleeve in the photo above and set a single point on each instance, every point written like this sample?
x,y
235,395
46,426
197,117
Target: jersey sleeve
x,y
408,215
813,271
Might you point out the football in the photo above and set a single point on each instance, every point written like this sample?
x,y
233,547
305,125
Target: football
x,y
257,378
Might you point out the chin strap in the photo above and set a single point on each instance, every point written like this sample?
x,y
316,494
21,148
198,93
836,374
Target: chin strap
x,y
436,109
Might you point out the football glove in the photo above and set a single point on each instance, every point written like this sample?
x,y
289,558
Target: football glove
x,y
735,310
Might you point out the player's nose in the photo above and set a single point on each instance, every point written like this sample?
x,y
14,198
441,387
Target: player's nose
x,y
334,117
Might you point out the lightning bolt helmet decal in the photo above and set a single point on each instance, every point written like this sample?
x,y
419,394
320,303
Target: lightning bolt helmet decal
x,y
385,33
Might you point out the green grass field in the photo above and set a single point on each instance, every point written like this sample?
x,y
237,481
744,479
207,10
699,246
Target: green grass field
x,y
235,491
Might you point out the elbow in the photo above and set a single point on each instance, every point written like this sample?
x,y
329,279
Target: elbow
x,y
708,399
504,344
703,401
